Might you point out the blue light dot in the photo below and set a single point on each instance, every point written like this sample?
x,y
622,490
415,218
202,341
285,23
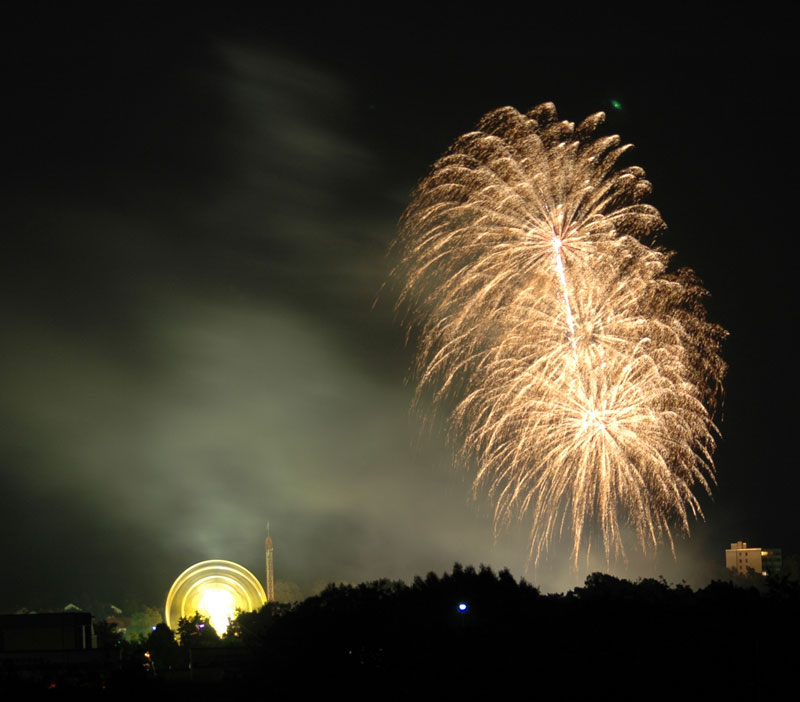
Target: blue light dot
x,y
462,607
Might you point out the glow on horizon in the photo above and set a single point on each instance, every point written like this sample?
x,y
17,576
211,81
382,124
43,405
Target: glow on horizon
x,y
219,605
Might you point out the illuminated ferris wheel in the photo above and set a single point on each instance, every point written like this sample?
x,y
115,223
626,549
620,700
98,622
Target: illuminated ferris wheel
x,y
215,589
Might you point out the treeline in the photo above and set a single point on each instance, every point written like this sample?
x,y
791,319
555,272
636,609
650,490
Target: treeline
x,y
480,632
476,629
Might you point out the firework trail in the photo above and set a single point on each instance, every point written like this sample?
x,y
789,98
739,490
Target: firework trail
x,y
582,374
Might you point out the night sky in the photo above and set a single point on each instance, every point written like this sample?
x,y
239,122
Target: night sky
x,y
196,213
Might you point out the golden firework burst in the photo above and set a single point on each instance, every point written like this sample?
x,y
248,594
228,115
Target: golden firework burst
x,y
582,374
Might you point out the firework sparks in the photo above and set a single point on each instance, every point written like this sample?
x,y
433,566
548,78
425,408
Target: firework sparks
x,y
582,374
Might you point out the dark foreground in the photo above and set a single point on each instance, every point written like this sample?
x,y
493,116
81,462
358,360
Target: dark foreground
x,y
609,639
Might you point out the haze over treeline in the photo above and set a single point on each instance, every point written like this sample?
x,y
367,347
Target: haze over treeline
x,y
196,211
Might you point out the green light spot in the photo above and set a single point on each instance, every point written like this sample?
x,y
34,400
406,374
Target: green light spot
x,y
616,104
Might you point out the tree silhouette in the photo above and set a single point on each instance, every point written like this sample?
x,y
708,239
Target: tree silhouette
x,y
196,631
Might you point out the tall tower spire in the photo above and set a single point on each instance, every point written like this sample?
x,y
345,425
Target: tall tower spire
x,y
270,582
